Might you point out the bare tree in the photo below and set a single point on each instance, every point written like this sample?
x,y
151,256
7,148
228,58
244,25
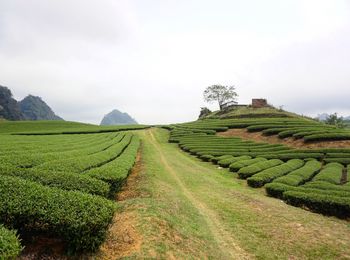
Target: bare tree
x,y
220,94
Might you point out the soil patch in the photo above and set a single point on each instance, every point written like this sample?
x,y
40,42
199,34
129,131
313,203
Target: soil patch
x,y
130,189
123,239
42,247
274,139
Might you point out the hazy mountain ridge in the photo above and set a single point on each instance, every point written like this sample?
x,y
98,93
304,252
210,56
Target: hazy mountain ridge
x,y
9,107
34,108
115,117
324,116
30,108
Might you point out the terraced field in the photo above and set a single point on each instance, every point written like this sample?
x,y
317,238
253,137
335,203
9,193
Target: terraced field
x,y
60,184
316,179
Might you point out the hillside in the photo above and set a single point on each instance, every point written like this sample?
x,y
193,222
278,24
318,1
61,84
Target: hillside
x,y
30,108
9,107
250,112
172,204
116,117
34,108
9,127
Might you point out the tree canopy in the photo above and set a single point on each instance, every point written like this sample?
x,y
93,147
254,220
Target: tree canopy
x,y
221,94
333,119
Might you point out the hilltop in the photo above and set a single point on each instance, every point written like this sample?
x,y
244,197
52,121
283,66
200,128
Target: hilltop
x,y
115,117
34,108
9,107
250,111
30,108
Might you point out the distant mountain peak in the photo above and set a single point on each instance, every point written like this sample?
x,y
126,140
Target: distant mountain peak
x,y
34,108
115,117
9,107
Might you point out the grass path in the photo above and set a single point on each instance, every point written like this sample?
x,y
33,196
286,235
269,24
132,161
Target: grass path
x,y
189,209
225,240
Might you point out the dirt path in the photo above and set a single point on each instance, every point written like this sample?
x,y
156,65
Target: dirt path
x,y
123,237
178,207
224,239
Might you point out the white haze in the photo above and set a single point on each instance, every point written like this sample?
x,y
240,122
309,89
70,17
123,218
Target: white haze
x,y
153,59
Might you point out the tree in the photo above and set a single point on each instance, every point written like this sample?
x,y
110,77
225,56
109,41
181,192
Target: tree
x,y
333,119
221,94
204,112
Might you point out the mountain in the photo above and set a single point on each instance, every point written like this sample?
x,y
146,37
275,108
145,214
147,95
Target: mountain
x,y
116,117
322,117
9,107
34,108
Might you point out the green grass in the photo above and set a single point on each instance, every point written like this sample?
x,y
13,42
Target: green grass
x,y
242,112
187,208
59,127
22,126
45,180
192,209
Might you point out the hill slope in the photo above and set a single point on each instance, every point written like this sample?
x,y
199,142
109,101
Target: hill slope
x,y
249,112
9,107
34,108
116,117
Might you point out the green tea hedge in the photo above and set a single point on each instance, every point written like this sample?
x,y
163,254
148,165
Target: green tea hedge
x,y
10,246
325,204
266,176
80,219
301,175
250,170
62,180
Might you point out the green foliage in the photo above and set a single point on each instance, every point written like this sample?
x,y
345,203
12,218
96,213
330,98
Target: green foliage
x,y
222,157
290,176
326,204
207,157
228,161
116,171
204,112
344,161
80,219
266,176
326,186
327,137
10,246
245,162
39,126
49,183
333,119
250,170
62,180
294,155
87,162
276,189
87,130
301,175
331,173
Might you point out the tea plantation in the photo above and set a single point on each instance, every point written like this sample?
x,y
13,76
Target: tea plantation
x,y
316,179
61,179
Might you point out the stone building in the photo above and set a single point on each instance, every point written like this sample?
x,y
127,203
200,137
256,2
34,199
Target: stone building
x,y
259,103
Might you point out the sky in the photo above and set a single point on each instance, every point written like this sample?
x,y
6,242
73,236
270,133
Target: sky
x,y
153,59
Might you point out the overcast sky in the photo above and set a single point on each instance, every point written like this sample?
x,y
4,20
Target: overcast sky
x,y
154,58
